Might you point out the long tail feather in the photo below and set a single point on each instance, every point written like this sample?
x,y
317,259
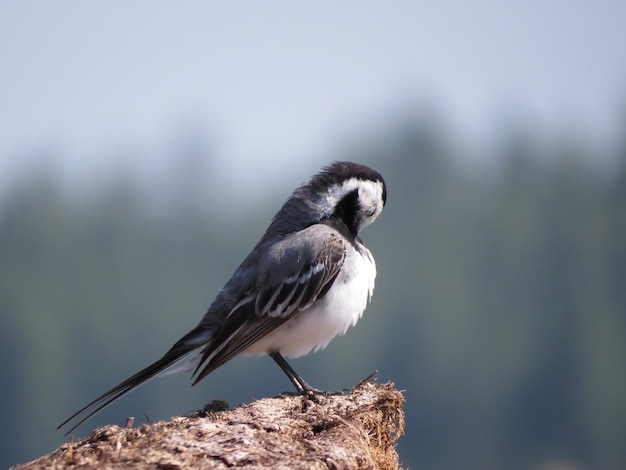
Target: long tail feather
x,y
131,383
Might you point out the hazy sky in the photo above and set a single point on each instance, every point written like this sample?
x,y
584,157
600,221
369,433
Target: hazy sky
x,y
273,80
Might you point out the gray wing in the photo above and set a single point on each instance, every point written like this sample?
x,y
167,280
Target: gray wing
x,y
289,277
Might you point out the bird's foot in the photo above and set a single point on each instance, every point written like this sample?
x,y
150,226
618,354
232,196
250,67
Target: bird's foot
x,y
305,392
312,393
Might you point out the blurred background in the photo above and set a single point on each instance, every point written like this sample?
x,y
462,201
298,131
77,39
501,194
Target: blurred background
x,y
144,147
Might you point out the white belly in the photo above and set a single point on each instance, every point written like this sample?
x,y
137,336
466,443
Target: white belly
x,y
341,308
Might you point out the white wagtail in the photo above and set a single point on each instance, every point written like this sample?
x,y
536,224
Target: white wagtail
x,y
307,280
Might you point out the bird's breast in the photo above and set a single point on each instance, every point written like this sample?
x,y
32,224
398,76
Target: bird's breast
x,y
341,307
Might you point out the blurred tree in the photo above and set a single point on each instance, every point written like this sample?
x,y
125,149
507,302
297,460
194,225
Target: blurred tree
x,y
499,304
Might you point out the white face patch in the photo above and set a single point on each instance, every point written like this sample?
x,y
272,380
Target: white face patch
x,y
370,198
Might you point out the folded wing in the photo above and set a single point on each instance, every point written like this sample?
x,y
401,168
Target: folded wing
x,y
295,273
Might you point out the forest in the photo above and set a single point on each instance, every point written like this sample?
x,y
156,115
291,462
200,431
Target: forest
x,y
499,309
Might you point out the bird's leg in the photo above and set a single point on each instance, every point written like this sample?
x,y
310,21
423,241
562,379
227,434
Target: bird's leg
x,y
301,386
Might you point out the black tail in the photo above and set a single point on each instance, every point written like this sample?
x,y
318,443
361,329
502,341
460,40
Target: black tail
x,y
173,356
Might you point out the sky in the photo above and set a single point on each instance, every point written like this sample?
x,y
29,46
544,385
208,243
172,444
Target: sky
x,y
82,84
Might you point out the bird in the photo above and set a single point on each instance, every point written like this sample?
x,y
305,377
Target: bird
x,y
307,280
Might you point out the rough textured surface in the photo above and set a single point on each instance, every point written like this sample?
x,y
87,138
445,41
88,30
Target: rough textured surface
x,y
357,430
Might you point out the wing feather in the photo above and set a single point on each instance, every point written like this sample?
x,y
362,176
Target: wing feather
x,y
302,271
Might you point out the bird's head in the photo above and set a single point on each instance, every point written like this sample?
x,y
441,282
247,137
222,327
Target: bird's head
x,y
347,192
353,193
